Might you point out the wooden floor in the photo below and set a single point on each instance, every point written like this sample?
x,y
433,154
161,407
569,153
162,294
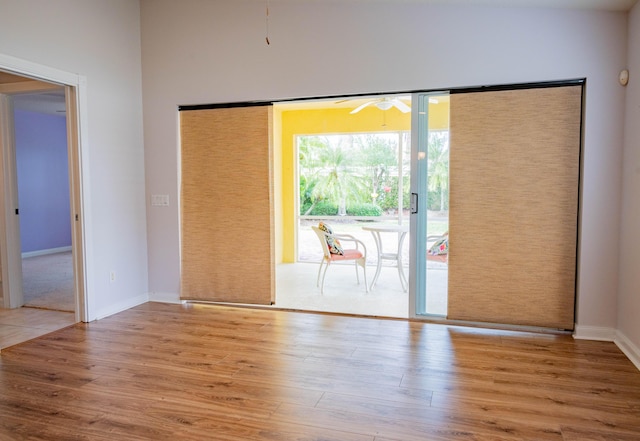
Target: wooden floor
x,y
174,372
22,324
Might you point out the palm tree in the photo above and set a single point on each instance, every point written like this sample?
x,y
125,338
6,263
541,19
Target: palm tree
x,y
326,166
438,170
378,154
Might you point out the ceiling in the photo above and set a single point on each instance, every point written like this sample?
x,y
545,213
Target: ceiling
x,y
605,5
10,78
52,102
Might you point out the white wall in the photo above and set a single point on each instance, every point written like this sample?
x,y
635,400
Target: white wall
x,y
100,40
629,292
198,51
203,51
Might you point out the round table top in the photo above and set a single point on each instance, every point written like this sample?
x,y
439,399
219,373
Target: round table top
x,y
387,228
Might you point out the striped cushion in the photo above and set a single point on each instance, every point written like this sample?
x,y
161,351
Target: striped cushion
x,y
334,244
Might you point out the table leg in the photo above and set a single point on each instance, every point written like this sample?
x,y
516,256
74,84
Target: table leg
x,y
378,241
403,279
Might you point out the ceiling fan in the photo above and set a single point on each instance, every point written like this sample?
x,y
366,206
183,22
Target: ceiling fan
x,y
384,103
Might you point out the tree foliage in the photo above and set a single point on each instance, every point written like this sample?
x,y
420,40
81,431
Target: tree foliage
x,y
438,169
353,173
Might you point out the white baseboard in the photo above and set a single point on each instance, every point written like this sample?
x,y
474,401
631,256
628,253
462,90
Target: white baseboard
x,y
45,252
165,297
629,349
122,306
594,333
609,334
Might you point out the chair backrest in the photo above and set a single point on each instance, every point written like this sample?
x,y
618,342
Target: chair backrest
x,y
322,236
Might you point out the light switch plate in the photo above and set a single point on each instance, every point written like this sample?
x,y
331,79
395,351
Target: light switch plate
x,y
160,200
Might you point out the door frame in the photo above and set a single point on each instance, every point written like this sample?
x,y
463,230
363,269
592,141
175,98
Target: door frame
x,y
76,107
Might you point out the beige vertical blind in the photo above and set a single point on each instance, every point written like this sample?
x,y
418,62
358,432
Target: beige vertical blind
x,y
226,205
514,183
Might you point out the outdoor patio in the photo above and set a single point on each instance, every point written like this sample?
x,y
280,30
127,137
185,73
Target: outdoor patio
x,y
296,282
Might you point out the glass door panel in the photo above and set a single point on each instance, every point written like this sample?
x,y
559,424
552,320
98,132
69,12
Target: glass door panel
x,y
429,204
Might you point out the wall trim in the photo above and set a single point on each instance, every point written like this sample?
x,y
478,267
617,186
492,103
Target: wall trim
x,y
629,349
26,67
81,230
613,335
594,333
122,306
165,297
45,252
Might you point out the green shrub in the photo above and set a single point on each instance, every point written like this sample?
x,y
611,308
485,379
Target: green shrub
x,y
324,208
364,210
304,207
437,201
388,195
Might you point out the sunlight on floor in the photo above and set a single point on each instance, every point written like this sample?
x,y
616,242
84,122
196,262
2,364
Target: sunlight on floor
x,y
296,289
22,324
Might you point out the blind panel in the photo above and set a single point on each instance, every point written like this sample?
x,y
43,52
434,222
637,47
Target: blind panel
x,y
514,179
226,205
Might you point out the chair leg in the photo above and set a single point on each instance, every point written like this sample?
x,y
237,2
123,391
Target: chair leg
x,y
364,272
324,273
319,272
357,275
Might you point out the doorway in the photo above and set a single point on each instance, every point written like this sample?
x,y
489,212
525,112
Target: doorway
x,y
345,163
43,196
22,82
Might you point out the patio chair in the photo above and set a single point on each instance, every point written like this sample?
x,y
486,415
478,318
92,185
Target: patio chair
x,y
438,251
333,251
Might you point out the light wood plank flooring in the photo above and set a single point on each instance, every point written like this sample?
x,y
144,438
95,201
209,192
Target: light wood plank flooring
x,y
22,324
192,372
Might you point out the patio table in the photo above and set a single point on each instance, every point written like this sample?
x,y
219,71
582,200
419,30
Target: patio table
x,y
402,231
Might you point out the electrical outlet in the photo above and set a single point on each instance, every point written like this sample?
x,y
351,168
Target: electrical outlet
x,y
112,276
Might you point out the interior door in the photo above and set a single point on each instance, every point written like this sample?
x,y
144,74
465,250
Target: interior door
x,y
226,205
76,214
10,252
12,84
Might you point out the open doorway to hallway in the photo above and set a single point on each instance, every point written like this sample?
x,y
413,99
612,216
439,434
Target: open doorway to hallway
x,y
43,195
38,259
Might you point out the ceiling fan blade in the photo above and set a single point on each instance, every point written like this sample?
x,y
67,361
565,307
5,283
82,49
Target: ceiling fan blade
x,y
360,107
401,106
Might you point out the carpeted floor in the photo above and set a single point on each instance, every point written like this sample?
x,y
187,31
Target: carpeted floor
x,y
48,281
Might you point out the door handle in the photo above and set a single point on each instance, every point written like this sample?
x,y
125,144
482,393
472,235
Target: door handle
x,y
414,203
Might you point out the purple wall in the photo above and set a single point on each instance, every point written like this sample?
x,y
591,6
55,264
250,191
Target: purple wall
x,y
43,180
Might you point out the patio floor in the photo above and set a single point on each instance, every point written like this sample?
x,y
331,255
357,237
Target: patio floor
x,y
296,282
296,289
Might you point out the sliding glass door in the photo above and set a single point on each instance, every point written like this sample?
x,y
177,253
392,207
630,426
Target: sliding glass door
x,y
510,161
430,204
